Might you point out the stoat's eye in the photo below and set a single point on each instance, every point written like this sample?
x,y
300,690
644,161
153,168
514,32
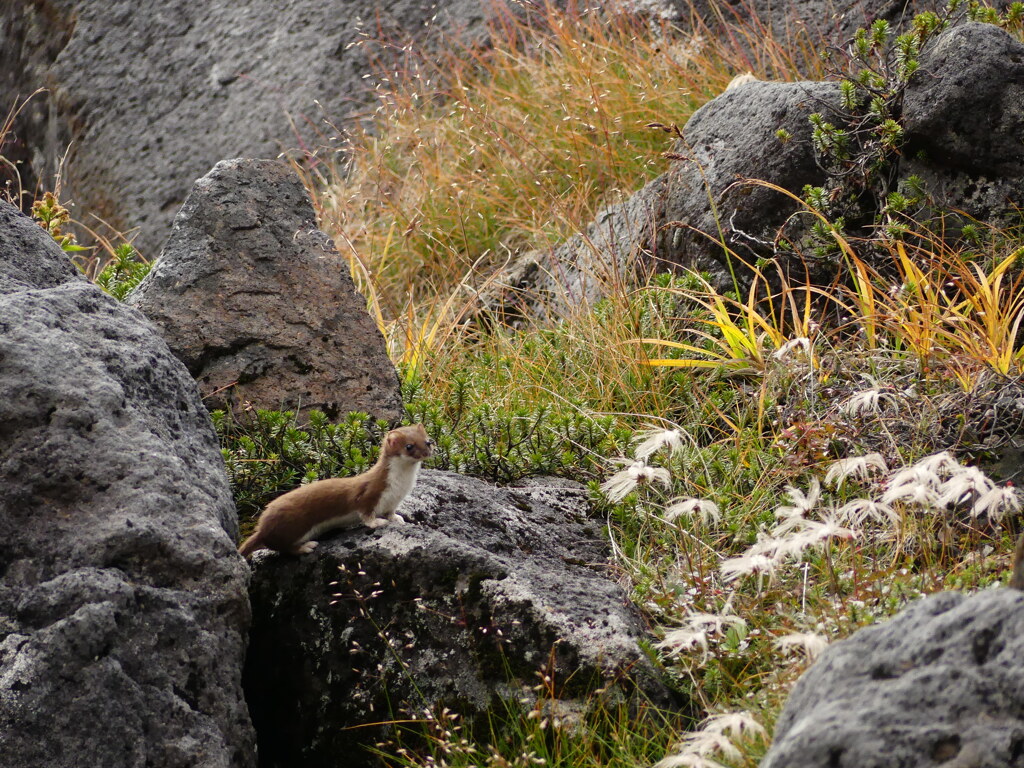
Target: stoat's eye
x,y
409,447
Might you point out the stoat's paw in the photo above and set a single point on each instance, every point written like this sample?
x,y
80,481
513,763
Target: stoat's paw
x,y
306,547
376,522
397,519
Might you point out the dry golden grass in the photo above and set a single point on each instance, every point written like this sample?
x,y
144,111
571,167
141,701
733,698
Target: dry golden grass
x,y
480,153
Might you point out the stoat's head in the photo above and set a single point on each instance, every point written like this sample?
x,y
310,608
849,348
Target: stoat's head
x,y
409,443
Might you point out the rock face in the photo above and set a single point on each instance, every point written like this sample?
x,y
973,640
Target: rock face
x,y
123,607
150,94
481,589
257,303
940,684
728,141
621,238
964,122
831,21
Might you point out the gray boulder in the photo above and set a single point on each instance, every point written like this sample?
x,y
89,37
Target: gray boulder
x,y
730,140
149,94
963,118
463,605
259,305
940,684
123,607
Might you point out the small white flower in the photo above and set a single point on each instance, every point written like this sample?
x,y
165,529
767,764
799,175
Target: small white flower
x,y
652,440
697,631
795,544
866,402
744,565
766,545
859,511
795,349
684,639
856,467
734,724
623,482
996,502
828,528
714,622
689,507
810,643
790,519
915,474
912,485
802,502
941,464
967,485
710,743
911,494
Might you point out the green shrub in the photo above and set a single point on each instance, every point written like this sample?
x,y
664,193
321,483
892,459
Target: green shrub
x,y
270,452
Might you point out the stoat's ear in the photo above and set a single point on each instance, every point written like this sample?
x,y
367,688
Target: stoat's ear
x,y
393,441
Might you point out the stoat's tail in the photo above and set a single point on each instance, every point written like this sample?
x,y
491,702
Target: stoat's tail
x,y
250,545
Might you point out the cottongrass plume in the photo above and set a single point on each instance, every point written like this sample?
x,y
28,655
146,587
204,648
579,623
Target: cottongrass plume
x,y
862,511
653,439
697,630
810,644
746,564
636,473
936,482
939,481
716,736
856,467
868,402
687,506
798,349
793,534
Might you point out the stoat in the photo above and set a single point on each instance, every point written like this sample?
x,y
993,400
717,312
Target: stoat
x,y
291,522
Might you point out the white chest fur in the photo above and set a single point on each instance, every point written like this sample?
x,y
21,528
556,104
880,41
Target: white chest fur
x,y
402,472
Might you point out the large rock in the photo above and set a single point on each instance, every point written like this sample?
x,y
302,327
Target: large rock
x,y
149,94
483,588
257,303
963,117
727,142
940,684
123,606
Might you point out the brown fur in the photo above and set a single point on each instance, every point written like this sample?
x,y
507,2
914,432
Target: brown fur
x,y
290,520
